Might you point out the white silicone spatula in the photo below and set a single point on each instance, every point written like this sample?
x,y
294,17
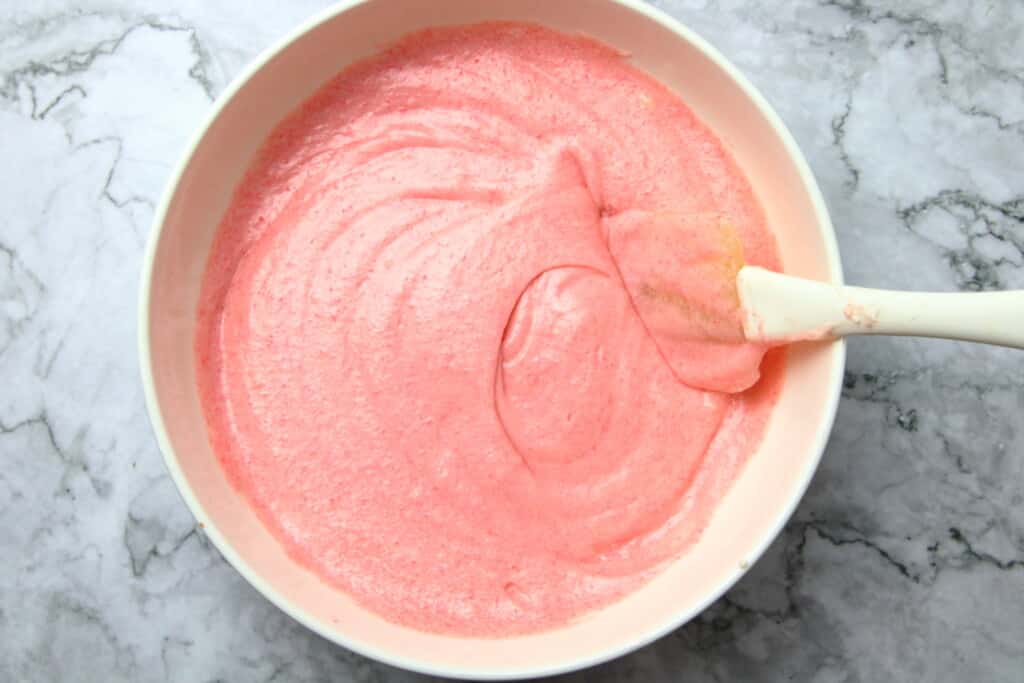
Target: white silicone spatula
x,y
722,299
782,308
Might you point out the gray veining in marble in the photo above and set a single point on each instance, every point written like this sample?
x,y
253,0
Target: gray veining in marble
x,y
905,562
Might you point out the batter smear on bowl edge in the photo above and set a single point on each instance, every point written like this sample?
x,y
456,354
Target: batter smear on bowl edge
x,y
429,353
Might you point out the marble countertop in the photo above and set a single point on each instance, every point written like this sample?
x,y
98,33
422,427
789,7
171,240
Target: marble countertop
x,y
905,561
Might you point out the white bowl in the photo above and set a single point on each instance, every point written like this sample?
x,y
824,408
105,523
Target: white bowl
x,y
750,515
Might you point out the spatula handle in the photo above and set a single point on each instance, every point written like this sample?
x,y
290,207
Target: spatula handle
x,y
782,308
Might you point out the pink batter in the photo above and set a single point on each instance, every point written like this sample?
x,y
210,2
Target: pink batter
x,y
427,353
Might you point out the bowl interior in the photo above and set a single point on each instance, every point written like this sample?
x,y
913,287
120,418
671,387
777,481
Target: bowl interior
x,y
748,517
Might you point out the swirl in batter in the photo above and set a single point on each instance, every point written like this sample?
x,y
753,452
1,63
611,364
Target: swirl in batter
x,y
426,352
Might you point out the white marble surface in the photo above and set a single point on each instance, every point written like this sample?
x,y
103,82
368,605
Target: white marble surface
x,y
904,562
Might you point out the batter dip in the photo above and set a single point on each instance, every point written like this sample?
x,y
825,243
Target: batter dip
x,y
428,351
